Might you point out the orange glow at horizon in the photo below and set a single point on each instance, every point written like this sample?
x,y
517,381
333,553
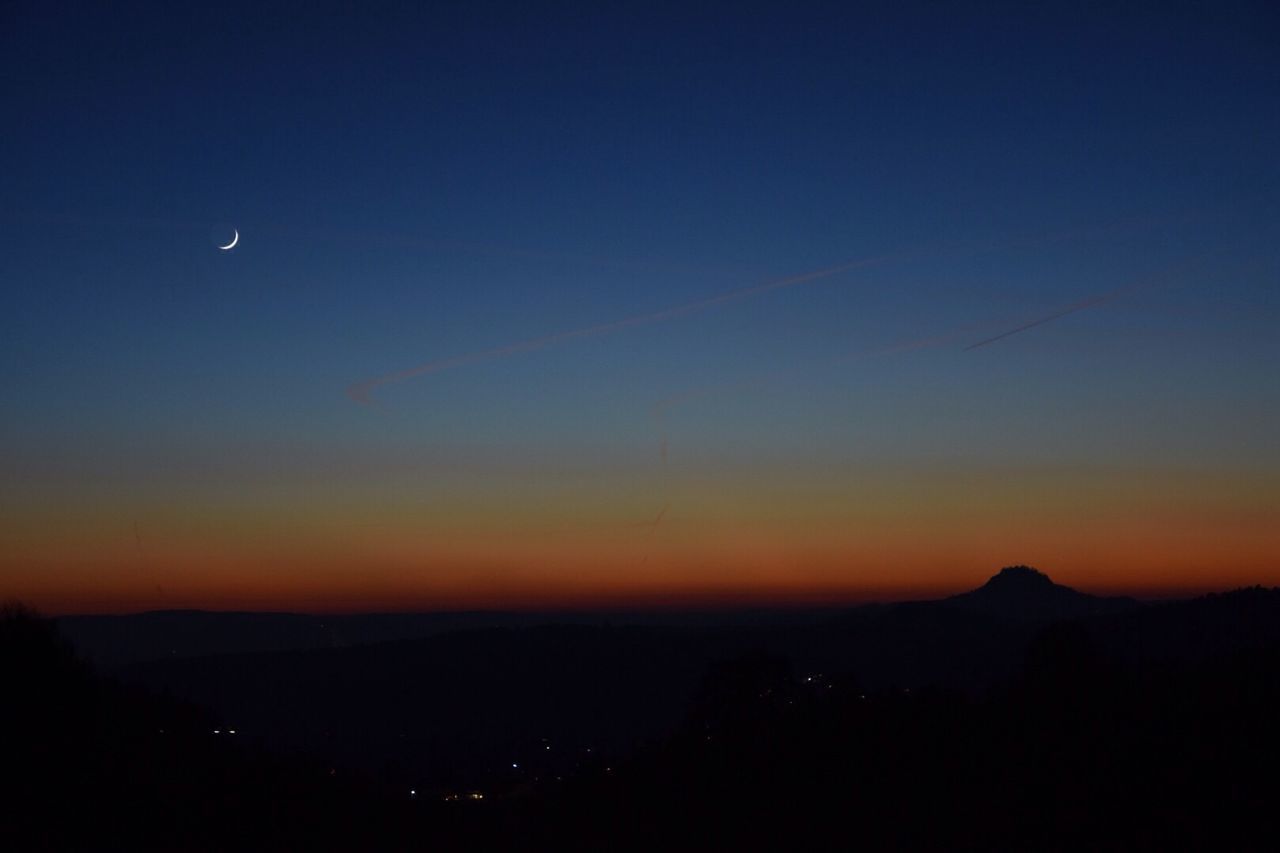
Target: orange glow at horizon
x,y
763,535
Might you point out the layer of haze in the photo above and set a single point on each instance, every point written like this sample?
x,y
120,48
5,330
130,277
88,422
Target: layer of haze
x,y
417,183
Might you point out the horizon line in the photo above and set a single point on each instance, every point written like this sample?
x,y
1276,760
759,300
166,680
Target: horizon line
x,y
710,602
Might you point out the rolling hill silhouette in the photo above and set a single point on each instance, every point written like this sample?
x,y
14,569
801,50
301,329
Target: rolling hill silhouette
x,y
465,697
1020,715
465,701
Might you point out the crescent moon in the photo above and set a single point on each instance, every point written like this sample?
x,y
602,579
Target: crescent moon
x,y
232,244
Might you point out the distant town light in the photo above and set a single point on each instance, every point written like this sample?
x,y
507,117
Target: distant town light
x,y
217,731
514,765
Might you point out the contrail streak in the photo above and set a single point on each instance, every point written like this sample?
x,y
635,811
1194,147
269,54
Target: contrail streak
x,y
362,392
1097,299
1070,309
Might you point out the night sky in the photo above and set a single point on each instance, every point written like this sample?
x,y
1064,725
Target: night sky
x,y
582,304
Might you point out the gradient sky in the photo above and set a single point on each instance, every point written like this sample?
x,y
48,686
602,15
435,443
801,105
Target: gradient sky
x,y
415,183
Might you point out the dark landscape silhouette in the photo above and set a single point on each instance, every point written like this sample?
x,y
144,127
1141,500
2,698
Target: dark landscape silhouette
x,y
1022,715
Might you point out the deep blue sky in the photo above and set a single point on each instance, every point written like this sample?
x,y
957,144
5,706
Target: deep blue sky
x,y
417,181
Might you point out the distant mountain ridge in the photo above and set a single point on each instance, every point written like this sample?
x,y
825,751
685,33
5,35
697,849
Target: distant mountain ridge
x,y
1024,593
1019,596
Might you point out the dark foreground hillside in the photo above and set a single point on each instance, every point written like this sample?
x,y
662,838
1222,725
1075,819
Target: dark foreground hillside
x,y
1126,728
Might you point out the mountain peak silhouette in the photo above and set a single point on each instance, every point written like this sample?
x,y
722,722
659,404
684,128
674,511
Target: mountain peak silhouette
x,y
1020,577
1021,592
